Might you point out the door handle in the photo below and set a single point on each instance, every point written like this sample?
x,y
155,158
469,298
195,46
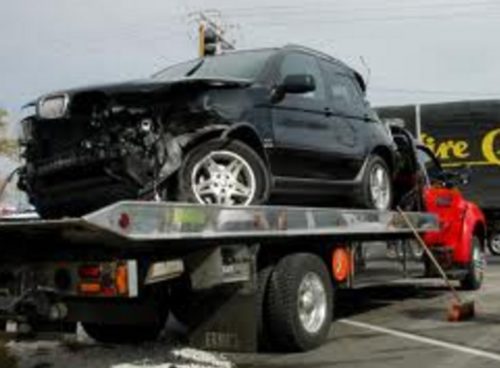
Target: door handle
x,y
328,111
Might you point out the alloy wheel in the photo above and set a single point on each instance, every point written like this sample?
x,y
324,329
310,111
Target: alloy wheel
x,y
312,303
380,187
223,177
495,244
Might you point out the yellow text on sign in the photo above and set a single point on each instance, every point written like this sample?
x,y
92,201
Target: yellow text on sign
x,y
451,150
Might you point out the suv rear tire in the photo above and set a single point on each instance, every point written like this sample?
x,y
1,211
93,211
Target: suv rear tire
x,y
376,187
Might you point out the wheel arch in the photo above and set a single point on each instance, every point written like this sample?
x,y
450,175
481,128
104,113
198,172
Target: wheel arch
x,y
479,230
476,222
386,154
243,132
246,133
203,136
270,256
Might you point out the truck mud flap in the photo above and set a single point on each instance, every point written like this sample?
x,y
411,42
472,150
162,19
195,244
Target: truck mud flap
x,y
221,310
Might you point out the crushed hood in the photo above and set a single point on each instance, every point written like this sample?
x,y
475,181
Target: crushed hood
x,y
144,86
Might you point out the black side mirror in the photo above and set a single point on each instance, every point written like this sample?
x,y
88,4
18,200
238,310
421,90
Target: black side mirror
x,y
298,83
460,176
295,84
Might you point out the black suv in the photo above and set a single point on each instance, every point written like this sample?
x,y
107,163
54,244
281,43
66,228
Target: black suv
x,y
274,125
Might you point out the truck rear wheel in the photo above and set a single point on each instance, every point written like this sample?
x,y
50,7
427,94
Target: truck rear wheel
x,y
475,274
299,305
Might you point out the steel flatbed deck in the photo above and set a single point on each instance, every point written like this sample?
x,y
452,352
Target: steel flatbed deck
x,y
126,223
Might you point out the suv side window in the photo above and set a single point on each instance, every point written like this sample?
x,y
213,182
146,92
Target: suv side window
x,y
347,99
299,63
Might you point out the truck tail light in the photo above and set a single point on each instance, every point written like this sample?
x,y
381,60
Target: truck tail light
x,y
106,279
90,288
89,272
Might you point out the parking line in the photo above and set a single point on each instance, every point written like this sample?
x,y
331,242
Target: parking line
x,y
422,339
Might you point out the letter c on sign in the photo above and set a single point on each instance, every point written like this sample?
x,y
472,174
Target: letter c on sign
x,y
488,147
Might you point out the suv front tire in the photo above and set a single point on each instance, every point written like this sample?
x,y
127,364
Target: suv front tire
x,y
224,172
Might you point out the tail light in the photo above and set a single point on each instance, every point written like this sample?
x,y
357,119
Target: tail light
x,y
90,288
89,272
108,279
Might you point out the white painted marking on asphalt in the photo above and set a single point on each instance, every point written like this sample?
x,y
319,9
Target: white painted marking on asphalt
x,y
424,340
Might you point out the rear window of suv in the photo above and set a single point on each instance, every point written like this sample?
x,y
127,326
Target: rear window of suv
x,y
347,97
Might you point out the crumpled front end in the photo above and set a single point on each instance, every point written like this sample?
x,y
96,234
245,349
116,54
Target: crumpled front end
x,y
98,147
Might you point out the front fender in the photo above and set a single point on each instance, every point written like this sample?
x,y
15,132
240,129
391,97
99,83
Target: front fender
x,y
474,224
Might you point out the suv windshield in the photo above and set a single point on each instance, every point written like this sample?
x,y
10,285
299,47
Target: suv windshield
x,y
238,65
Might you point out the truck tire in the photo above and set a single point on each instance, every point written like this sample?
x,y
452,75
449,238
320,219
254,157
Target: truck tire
x,y
494,243
299,306
224,172
123,334
475,273
376,190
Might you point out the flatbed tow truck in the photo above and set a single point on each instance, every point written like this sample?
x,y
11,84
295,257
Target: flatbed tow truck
x,y
238,277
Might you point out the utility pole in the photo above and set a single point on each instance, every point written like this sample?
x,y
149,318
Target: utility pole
x,y
211,40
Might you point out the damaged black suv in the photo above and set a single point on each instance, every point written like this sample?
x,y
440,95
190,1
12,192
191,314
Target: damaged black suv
x,y
274,125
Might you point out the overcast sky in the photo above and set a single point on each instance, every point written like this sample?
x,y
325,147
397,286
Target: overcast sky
x,y
416,51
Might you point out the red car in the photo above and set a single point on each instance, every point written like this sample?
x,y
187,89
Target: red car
x,y
424,185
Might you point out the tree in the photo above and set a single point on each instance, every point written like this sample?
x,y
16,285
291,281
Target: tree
x,y
8,146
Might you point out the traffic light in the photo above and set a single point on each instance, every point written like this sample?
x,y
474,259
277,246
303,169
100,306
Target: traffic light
x,y
209,41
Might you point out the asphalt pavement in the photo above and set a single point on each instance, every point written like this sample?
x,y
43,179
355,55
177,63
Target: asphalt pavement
x,y
403,326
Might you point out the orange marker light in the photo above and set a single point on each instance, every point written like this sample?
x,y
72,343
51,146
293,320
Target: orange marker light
x,y
121,280
341,264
